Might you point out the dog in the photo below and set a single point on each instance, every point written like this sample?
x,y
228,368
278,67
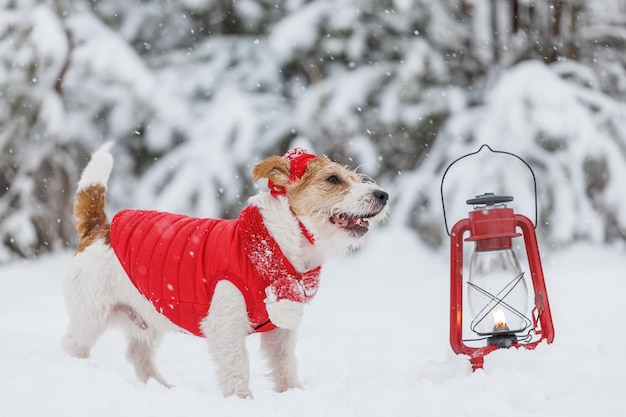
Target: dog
x,y
152,272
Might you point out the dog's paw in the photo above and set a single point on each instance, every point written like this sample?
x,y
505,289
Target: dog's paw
x,y
241,392
285,314
283,386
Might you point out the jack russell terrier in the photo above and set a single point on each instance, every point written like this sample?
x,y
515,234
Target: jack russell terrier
x,y
152,272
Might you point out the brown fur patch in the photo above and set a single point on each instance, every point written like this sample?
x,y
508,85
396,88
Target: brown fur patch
x,y
275,168
324,184
91,221
314,188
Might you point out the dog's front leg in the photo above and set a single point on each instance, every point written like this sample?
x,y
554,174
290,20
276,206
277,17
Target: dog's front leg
x,y
225,328
278,346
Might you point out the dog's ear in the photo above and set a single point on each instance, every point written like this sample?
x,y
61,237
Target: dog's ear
x,y
275,168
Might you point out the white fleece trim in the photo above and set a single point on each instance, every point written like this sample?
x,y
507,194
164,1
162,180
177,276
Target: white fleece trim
x,y
285,314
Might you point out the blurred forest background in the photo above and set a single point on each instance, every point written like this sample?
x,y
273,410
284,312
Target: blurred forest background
x,y
195,92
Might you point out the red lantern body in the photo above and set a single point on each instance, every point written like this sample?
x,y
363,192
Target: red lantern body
x,y
494,229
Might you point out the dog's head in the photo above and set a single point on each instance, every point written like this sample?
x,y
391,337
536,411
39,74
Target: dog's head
x,y
338,204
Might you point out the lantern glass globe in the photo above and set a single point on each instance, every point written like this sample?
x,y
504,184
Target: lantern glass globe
x,y
497,292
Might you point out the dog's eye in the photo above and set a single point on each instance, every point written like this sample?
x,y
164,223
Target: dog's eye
x,y
333,179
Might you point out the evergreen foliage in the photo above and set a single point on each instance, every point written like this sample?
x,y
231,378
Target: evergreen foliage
x,y
195,92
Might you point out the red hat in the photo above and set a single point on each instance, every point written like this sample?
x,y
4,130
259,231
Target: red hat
x,y
298,161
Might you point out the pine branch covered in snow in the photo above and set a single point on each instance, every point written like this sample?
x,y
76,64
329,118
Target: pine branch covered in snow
x,y
37,162
193,93
573,138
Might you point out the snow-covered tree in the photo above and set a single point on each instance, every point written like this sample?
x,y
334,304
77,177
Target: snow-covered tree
x,y
37,160
193,93
78,75
367,84
566,119
573,136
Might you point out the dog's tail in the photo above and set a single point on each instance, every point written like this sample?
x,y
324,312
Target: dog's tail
x,y
91,220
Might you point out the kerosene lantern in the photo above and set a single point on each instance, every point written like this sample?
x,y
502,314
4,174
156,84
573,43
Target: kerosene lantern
x,y
498,301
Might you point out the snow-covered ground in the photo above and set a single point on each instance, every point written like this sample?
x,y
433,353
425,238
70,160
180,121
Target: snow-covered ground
x,y
374,342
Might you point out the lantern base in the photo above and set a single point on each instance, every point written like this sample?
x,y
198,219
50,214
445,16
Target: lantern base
x,y
502,340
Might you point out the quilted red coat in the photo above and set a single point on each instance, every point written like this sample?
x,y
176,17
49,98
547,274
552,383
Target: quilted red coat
x,y
175,261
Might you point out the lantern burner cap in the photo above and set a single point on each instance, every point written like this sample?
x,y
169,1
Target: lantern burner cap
x,y
502,340
489,199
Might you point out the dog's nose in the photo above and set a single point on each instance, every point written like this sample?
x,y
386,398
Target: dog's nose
x,y
381,196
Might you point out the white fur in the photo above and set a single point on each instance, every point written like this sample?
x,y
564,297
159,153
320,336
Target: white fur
x,y
225,328
98,169
99,294
358,201
284,229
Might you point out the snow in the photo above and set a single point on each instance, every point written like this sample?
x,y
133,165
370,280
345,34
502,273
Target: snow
x,y
196,89
549,122
374,342
334,77
299,30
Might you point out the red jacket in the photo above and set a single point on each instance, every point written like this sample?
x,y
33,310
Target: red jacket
x,y
175,261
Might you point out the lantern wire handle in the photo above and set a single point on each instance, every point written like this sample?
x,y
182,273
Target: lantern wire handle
x,y
443,203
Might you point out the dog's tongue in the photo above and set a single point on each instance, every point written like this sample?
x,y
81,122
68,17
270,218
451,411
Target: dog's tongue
x,y
354,224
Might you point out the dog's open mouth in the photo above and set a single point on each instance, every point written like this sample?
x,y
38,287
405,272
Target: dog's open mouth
x,y
357,225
